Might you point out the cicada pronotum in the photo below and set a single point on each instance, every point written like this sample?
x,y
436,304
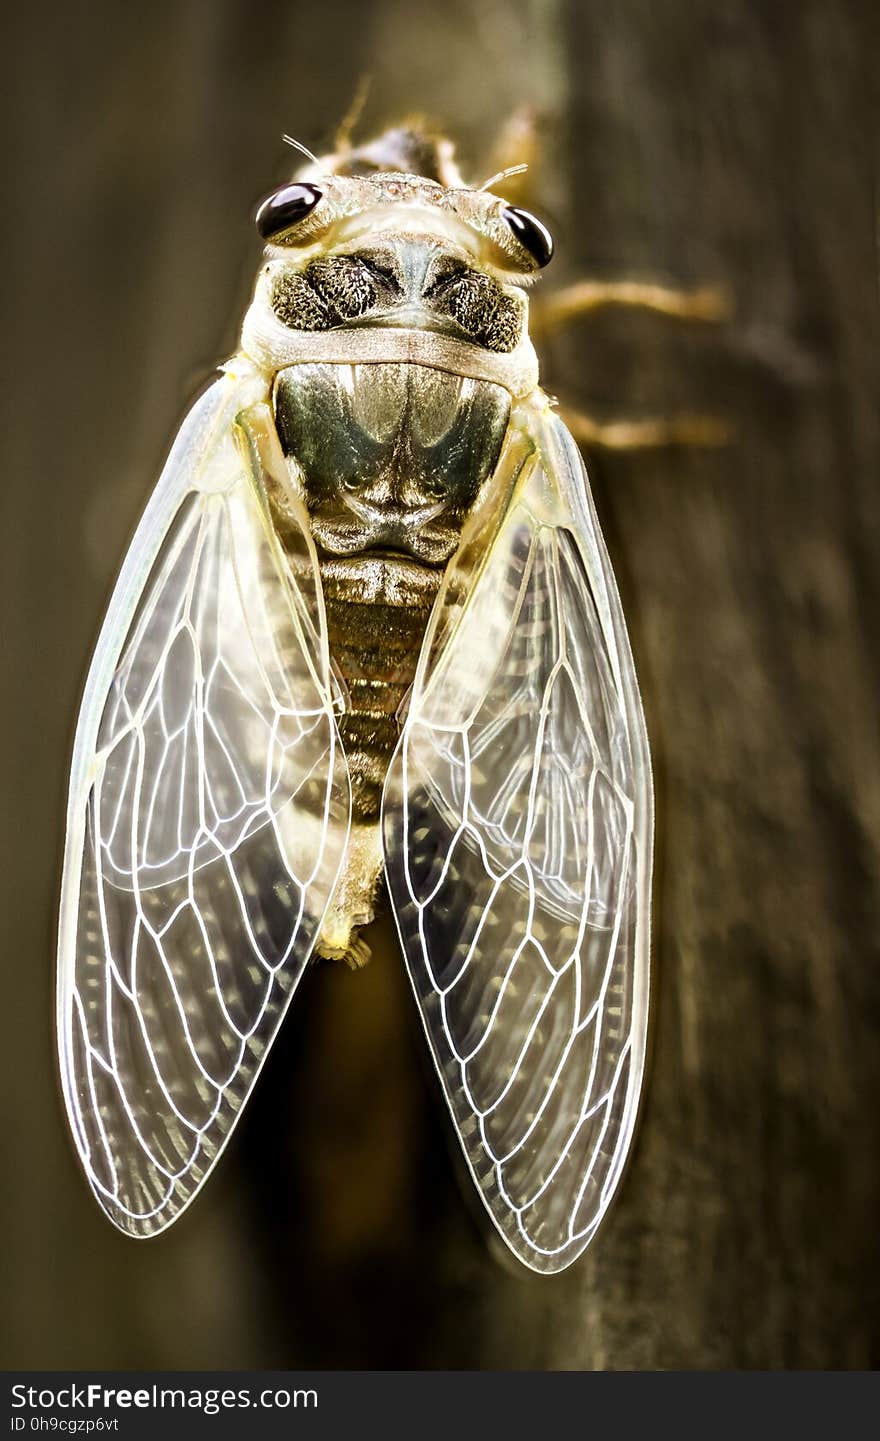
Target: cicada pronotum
x,y
367,628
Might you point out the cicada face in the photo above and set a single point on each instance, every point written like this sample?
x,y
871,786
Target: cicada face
x,y
367,635
353,256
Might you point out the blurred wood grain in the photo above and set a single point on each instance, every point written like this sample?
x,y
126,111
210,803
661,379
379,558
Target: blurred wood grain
x,y
691,142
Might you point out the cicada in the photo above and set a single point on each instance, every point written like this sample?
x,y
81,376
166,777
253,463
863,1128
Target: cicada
x,y
366,641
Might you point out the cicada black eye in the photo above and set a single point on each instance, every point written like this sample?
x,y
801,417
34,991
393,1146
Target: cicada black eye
x,y
531,234
285,208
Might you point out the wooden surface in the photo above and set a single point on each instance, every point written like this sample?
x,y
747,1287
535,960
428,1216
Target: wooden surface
x,y
692,142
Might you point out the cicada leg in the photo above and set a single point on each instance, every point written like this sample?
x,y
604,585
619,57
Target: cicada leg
x,y
690,430
342,141
552,311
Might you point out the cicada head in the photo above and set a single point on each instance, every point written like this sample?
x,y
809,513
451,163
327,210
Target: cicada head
x,y
353,244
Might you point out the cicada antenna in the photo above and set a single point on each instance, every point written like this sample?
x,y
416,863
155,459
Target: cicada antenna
x,y
502,175
303,149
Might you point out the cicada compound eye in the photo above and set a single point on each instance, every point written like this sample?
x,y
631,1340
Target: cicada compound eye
x,y
531,234
285,208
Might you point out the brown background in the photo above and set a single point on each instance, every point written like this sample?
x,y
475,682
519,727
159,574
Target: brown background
x,y
697,141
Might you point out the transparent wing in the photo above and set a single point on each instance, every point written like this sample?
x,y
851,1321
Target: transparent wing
x,y
208,814
517,828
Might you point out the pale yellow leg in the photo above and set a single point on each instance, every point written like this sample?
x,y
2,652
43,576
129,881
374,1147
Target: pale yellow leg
x,y
700,430
348,124
550,311
517,145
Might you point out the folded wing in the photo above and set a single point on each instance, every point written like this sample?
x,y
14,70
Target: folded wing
x,y
518,824
207,819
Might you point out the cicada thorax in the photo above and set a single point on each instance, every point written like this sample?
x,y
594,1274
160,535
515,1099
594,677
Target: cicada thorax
x,y
390,458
